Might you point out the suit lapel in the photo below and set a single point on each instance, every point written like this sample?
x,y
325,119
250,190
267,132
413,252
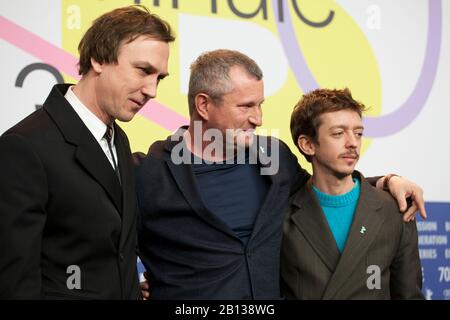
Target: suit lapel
x,y
270,199
88,152
125,167
92,158
184,178
126,175
264,150
310,220
364,229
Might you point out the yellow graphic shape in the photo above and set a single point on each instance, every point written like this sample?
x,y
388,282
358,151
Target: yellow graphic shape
x,y
338,55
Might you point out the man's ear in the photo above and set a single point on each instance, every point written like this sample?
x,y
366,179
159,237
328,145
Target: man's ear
x,y
202,105
306,145
96,66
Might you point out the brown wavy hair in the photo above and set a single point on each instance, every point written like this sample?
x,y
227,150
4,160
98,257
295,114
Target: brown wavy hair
x,y
305,118
123,25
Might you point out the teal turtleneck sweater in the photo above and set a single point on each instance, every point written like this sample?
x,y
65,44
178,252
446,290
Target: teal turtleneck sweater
x,y
339,211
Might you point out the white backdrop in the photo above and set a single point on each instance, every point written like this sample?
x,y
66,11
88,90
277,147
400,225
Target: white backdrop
x,y
392,36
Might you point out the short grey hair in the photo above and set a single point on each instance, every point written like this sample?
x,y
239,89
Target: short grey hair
x,y
210,74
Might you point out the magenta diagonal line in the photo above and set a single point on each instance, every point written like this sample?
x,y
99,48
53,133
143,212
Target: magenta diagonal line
x,y
38,47
163,116
67,63
386,124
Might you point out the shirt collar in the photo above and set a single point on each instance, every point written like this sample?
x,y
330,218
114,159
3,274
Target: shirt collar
x,y
96,126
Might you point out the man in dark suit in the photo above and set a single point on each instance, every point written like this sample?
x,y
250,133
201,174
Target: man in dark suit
x,y
343,238
213,195
67,199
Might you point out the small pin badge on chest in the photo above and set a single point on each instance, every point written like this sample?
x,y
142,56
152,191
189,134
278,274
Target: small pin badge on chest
x,y
363,230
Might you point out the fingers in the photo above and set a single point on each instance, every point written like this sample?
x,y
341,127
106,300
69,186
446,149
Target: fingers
x,y
401,201
405,191
144,285
420,203
145,290
145,295
410,214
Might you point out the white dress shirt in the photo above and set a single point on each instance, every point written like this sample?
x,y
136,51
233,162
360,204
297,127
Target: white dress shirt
x,y
94,124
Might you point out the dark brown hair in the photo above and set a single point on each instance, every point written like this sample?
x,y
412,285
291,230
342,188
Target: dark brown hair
x,y
305,119
123,25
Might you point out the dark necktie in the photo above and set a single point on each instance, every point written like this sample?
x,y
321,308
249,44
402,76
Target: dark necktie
x,y
108,137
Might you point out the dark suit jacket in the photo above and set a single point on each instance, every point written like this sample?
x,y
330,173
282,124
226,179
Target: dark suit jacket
x,y
313,268
61,204
188,251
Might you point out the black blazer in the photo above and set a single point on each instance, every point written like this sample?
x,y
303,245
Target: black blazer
x,y
61,204
188,251
313,268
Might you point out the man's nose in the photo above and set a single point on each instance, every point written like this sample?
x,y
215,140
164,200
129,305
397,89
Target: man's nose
x,y
352,140
255,117
150,87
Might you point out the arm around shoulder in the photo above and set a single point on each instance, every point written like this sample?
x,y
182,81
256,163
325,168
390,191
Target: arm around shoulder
x,y
297,175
